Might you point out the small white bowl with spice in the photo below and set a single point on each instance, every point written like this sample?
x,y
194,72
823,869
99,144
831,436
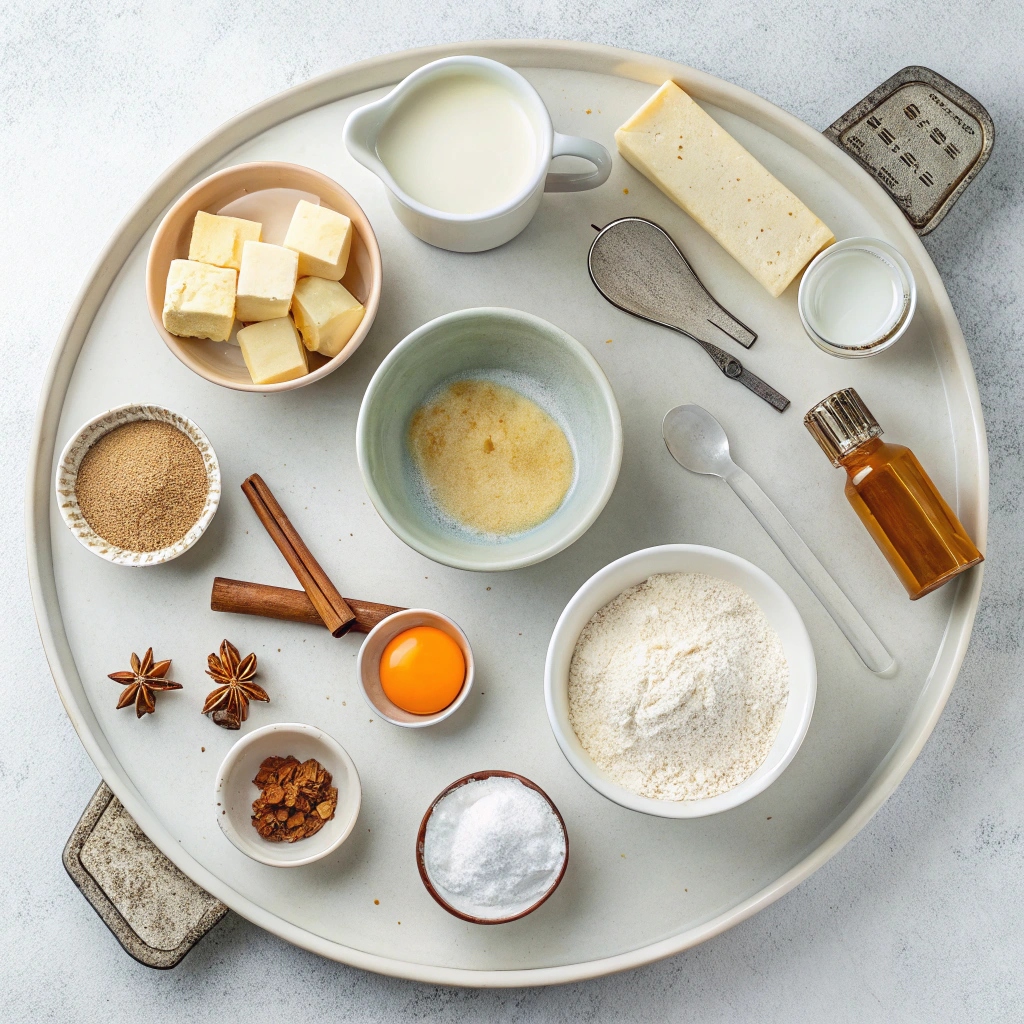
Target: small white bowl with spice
x,y
138,485
680,681
306,789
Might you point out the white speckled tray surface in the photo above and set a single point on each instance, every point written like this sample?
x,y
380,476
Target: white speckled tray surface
x,y
637,887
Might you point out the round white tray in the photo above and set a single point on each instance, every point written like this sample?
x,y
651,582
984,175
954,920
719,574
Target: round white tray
x,y
638,887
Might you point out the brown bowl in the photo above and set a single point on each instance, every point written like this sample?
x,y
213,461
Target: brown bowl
x,y
440,900
221,362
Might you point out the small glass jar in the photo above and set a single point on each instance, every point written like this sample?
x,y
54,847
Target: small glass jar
x,y
857,298
914,528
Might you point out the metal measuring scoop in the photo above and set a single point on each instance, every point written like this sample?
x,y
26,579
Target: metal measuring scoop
x,y
637,267
698,443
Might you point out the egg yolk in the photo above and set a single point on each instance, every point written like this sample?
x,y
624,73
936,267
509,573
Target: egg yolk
x,y
422,670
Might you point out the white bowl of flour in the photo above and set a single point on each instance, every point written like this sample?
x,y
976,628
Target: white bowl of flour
x,y
680,681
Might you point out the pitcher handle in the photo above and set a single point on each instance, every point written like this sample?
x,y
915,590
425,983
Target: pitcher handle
x,y
575,181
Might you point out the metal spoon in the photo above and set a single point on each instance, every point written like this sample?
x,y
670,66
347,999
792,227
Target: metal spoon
x,y
636,266
698,443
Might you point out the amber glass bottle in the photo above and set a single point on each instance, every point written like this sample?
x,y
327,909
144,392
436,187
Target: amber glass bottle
x,y
888,488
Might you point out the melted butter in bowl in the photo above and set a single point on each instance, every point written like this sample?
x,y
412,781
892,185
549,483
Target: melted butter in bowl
x,y
491,459
488,439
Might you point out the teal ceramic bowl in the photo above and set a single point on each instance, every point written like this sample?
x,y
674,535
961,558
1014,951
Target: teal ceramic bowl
x,y
514,348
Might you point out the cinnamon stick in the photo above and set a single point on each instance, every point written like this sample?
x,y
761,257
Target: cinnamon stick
x,y
329,604
244,598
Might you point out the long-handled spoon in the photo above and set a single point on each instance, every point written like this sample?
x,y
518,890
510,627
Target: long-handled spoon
x,y
698,443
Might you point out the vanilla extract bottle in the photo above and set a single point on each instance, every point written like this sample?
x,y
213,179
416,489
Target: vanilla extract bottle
x,y
919,534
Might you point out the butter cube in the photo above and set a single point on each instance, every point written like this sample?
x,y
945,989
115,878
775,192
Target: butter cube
x,y
265,282
219,240
326,314
322,238
272,351
199,301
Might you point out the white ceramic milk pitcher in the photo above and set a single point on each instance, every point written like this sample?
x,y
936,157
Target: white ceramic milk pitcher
x,y
470,103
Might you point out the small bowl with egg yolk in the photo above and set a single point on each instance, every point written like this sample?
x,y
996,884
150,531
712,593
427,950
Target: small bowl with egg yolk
x,y
419,658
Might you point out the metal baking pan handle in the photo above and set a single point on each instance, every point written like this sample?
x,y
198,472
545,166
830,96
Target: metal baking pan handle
x,y
153,910
922,138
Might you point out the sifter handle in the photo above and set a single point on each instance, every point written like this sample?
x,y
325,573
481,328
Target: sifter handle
x,y
735,370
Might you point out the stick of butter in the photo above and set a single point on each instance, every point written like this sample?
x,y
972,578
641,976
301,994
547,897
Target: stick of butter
x,y
702,168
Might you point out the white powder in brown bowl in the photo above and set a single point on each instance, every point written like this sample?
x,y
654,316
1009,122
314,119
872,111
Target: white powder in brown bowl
x,y
677,688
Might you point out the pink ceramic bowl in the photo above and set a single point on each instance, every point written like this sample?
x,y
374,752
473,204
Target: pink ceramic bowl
x,y
221,362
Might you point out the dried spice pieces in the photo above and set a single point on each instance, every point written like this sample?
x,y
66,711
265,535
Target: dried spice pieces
x,y
230,701
296,799
142,486
145,677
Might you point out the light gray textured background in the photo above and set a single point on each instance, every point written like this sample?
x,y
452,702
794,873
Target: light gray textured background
x,y
918,919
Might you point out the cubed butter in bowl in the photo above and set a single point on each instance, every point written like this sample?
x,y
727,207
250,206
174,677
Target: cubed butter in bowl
x,y
272,351
326,314
199,300
202,224
219,240
266,282
323,239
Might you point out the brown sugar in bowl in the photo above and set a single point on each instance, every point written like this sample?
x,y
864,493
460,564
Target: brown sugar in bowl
x,y
221,362
67,478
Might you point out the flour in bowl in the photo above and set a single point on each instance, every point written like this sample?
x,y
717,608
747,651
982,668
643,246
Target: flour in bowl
x,y
678,687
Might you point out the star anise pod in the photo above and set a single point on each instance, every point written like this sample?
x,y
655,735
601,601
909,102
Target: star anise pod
x,y
230,701
145,677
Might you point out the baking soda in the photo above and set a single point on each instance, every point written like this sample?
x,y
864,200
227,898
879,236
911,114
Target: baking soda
x,y
493,847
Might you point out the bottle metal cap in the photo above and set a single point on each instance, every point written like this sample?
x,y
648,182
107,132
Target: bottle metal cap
x,y
841,423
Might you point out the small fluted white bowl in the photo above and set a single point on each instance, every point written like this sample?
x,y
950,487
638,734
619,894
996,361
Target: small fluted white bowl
x,y
67,476
782,616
